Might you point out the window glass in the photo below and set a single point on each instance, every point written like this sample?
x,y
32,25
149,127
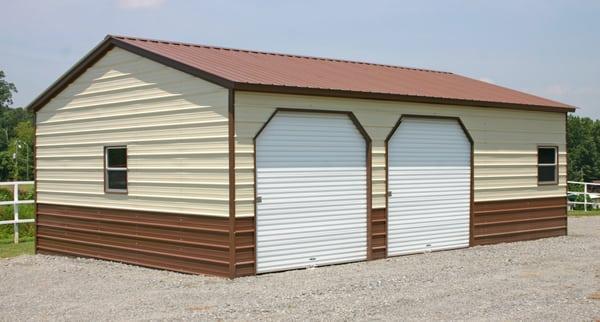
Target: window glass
x,y
546,174
116,157
546,155
116,169
117,179
547,165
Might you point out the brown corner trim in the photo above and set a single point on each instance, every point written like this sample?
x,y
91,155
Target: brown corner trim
x,y
231,145
35,183
566,156
369,165
469,137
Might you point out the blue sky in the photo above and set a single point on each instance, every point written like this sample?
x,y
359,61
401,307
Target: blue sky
x,y
548,48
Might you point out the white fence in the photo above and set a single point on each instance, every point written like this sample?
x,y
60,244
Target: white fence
x,y
15,203
591,200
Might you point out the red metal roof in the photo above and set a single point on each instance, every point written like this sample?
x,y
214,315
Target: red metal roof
x,y
254,67
274,72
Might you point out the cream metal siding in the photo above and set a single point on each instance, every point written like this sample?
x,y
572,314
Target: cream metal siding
x,y
174,126
430,183
312,179
505,142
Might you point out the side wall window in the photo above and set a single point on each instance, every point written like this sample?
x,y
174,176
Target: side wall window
x,y
115,169
547,164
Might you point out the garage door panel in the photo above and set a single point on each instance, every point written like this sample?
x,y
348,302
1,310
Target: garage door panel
x,y
314,191
311,226
297,220
331,246
314,235
311,178
282,265
430,180
445,233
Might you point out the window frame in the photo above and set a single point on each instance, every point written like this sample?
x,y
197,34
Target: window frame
x,y
555,165
107,169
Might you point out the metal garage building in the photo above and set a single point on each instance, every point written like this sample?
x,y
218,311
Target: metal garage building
x,y
230,162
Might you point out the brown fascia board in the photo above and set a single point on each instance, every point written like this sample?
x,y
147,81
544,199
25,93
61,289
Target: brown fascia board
x,y
109,42
281,89
65,79
99,51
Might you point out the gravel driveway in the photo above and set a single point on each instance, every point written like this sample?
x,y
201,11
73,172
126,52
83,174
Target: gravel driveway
x,y
549,279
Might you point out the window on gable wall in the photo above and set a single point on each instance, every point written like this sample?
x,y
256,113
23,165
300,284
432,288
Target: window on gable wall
x,y
115,169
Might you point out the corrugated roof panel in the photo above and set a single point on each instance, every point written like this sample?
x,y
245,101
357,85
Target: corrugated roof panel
x,y
235,67
242,66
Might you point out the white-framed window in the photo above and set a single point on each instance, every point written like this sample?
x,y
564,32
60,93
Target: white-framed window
x,y
115,169
547,164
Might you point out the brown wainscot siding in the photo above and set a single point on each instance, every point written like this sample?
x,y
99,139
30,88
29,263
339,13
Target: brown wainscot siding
x,y
378,233
516,220
245,256
183,243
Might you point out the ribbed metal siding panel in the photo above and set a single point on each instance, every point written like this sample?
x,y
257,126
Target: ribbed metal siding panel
x,y
505,142
311,176
174,126
429,177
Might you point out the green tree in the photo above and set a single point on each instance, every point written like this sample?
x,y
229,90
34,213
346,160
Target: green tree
x,y
584,148
16,128
6,90
21,151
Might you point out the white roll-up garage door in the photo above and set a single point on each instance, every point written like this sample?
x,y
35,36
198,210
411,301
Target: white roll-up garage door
x,y
429,180
311,181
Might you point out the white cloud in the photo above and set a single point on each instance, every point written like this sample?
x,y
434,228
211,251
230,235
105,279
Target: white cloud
x,y
487,80
140,4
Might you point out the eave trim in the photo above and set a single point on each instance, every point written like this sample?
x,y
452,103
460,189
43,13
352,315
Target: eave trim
x,y
109,42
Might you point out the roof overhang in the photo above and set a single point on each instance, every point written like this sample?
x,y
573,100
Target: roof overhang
x,y
110,42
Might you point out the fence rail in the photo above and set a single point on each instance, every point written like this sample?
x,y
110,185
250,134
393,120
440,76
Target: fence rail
x,y
15,203
591,204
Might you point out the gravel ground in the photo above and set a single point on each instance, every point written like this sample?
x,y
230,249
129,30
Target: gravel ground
x,y
549,279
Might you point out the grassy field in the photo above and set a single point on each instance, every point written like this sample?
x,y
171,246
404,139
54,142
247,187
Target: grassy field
x,y
8,249
581,213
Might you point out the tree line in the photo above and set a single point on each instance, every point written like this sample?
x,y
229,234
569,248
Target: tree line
x,y
17,133
16,137
583,141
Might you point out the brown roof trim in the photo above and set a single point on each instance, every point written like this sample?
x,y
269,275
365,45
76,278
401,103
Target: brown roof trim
x,y
173,64
65,79
279,89
99,51
110,41
272,53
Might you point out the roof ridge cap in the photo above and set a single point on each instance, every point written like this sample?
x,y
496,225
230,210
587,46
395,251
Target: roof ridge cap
x,y
347,61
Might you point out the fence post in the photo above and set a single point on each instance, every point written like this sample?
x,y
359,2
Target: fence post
x,y
585,197
16,212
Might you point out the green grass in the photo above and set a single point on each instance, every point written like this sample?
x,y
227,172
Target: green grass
x,y
8,249
581,213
